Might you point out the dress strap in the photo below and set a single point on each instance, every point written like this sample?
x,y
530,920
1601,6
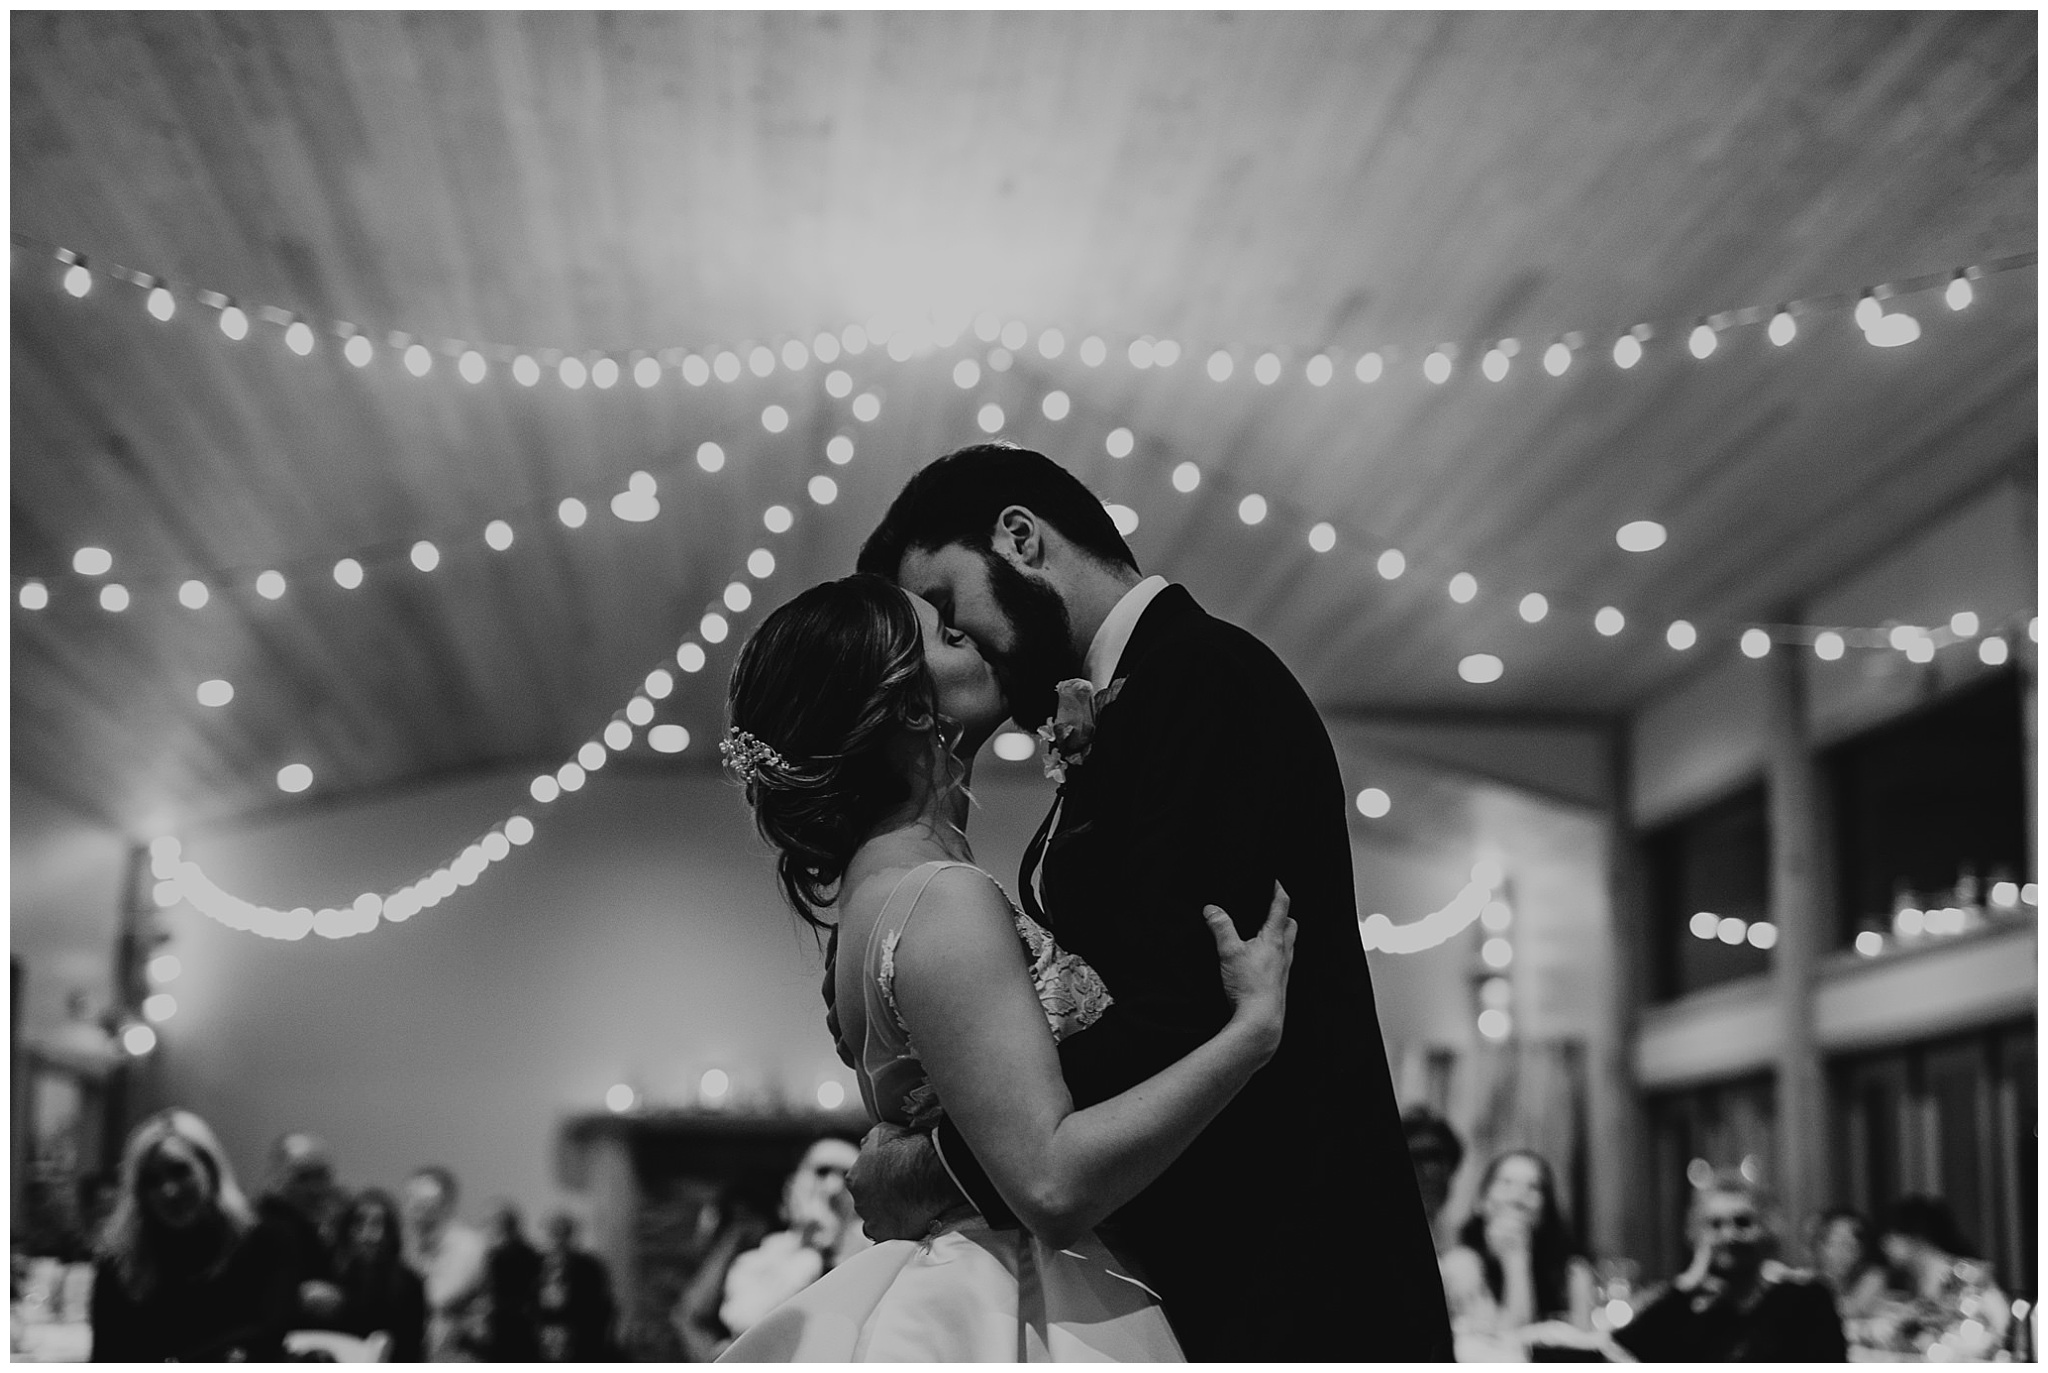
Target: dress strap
x,y
885,1038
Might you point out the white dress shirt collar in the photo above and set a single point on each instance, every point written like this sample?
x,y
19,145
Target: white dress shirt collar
x,y
1108,645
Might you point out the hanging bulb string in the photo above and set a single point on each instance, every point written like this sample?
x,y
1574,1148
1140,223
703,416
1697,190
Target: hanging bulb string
x,y
190,882
673,355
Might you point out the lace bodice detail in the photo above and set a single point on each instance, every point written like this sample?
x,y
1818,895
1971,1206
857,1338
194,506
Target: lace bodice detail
x,y
1070,992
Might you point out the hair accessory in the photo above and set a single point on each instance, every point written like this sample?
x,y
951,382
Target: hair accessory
x,y
744,754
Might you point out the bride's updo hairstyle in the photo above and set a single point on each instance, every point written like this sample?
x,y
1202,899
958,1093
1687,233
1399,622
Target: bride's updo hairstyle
x,y
826,684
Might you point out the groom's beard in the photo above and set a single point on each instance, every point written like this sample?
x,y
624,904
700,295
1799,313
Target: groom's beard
x,y
1041,654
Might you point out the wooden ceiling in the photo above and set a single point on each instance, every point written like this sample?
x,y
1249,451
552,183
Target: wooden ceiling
x,y
628,184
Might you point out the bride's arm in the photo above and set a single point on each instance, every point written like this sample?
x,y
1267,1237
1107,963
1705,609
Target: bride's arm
x,y
965,995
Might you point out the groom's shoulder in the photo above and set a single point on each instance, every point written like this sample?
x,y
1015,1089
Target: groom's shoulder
x,y
1192,639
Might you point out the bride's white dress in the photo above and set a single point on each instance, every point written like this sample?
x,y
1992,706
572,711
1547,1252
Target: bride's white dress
x,y
968,1293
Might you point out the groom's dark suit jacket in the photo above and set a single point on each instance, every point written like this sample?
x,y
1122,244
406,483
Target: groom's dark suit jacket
x,y
1292,1228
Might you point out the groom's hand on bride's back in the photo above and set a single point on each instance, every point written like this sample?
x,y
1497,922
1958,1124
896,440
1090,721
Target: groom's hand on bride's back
x,y
899,1186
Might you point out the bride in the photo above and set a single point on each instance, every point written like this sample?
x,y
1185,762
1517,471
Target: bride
x,y
854,719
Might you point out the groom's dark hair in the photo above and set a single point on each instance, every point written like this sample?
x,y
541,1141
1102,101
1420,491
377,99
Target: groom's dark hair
x,y
957,498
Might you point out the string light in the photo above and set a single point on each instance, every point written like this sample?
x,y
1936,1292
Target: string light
x,y
1534,607
1056,405
234,323
1681,635
1252,509
777,519
646,373
1370,367
425,556
1640,536
358,350
1119,443
1322,537
990,418
1392,564
1557,359
77,280
299,337
572,373
418,360
823,489
1755,643
270,585
114,597
1608,621
1186,477
348,574
866,406
1628,351
193,594
1480,668
525,371
1828,645
34,595
572,513
162,304
1494,365
473,367
92,562
1374,803
1959,295
215,692
1319,370
690,658
1437,366
1464,587
1703,340
1376,931
1783,328
1992,652
498,535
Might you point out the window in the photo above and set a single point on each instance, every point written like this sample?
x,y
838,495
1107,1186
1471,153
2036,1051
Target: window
x,y
1953,1119
1709,893
1930,814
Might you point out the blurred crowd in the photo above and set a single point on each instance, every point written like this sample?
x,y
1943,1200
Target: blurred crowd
x,y
187,1267
1521,1287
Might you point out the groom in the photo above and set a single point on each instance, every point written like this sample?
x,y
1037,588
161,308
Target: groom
x,y
1291,1229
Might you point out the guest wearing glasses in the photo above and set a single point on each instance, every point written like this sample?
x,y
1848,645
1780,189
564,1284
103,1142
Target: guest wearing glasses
x,y
1733,1304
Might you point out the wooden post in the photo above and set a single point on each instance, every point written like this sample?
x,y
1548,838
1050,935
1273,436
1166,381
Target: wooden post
x,y
1801,907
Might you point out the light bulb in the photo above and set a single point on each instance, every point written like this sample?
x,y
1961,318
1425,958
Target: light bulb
x,y
1640,536
1628,351
1828,645
1186,477
618,736
1783,328
161,303
92,562
1963,624
525,371
990,418
1608,621
34,595
591,756
777,519
1534,607
1392,564
761,563
1051,343
866,406
795,356
1703,924
1374,803
270,585
1015,335
234,323
425,556
78,280
1497,952
668,738
1267,368
359,350
1220,366
966,373
1369,368
1464,587
1494,364
1681,635
710,457
572,513
348,574
1056,405
298,337
640,711
690,657
661,681
854,339
646,372
573,373
823,489
216,692
738,595
1893,331
1252,509
1323,537
473,367
1993,651
1140,353
1557,359
114,597
1733,929
775,419
1959,293
1119,443
1495,1023
726,366
418,360
294,777
1093,351
1480,668
1868,311
713,628
498,535
1703,340
1319,370
1124,518
1437,366
1755,643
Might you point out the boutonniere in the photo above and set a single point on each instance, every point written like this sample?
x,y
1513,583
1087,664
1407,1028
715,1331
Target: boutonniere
x,y
1071,730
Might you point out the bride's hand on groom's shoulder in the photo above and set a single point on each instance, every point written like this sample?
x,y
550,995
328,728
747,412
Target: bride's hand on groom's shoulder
x,y
898,1184
1255,970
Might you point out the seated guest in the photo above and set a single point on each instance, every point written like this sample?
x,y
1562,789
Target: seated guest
x,y
295,1207
1848,1262
379,1292
450,1259
185,1274
1435,1151
1734,1304
1516,1276
731,1293
1950,1308
576,1309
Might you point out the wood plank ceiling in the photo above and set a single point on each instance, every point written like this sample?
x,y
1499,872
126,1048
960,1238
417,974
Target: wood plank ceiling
x,y
670,185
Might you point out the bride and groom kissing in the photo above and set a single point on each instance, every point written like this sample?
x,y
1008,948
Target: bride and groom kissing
x,y
1148,1115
